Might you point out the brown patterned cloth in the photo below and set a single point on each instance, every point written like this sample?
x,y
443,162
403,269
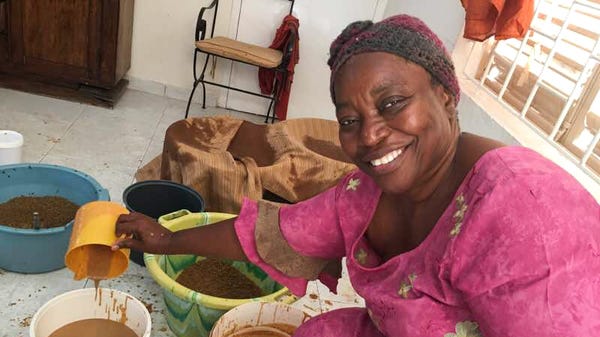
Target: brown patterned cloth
x,y
226,159
274,249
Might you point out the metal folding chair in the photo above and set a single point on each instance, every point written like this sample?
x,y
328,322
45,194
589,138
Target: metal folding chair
x,y
238,51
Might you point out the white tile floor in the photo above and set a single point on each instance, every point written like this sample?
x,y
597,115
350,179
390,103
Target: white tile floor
x,y
110,145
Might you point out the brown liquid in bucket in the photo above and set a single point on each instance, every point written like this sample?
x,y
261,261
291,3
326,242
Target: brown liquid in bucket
x,y
94,327
267,330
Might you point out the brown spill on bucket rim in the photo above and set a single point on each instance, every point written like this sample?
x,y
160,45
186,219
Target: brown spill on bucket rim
x,y
112,306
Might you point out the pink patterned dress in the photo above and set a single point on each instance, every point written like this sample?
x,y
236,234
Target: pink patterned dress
x,y
517,254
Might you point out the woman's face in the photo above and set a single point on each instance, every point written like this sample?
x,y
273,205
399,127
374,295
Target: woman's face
x,y
395,124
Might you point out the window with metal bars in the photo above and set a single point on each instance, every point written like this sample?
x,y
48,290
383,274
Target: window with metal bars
x,y
551,78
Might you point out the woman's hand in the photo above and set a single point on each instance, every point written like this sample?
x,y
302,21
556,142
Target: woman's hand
x,y
141,233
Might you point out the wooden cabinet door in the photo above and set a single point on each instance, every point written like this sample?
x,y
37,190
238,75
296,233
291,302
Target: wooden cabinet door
x,y
3,31
56,39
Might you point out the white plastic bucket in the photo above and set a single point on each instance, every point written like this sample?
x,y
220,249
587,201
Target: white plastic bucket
x,y
255,314
11,145
83,304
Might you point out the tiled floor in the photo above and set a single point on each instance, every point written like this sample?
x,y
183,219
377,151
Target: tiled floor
x,y
110,145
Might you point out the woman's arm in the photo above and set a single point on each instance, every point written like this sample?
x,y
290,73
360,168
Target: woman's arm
x,y
145,234
292,243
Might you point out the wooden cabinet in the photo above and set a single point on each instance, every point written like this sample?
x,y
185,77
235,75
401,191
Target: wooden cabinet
x,y
76,49
3,32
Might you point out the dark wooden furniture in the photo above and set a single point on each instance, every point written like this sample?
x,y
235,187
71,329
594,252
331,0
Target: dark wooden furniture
x,y
74,49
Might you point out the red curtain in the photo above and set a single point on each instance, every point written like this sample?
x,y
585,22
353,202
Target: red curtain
x,y
268,78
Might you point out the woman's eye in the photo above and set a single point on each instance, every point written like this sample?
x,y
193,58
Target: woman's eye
x,y
347,122
390,103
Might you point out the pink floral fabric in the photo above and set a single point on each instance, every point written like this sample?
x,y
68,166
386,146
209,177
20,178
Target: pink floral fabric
x,y
517,253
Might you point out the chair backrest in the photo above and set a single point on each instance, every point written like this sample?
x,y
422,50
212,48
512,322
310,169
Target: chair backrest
x,y
201,22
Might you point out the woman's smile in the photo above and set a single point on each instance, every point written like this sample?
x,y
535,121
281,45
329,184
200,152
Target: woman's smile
x,y
388,162
387,158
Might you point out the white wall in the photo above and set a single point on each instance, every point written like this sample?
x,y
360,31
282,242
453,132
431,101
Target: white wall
x,y
444,17
163,41
163,44
321,21
257,23
162,50
162,47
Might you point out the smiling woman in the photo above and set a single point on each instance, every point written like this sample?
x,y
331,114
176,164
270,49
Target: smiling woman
x,y
445,233
382,96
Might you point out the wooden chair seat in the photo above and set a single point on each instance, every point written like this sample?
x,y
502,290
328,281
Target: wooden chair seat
x,y
241,51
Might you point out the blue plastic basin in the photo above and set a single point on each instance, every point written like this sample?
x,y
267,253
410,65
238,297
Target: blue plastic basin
x,y
42,250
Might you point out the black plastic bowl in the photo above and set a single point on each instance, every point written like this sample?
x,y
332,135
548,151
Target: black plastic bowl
x,y
155,198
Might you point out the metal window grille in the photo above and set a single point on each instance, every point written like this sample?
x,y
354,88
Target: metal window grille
x,y
551,78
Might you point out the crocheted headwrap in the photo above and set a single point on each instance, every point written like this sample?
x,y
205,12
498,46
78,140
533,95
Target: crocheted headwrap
x,y
402,35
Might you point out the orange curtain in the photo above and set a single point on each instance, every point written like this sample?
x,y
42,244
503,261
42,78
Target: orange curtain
x,y
504,19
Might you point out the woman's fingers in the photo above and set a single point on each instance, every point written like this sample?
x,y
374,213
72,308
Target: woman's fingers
x,y
127,228
126,243
130,223
126,217
127,225
140,233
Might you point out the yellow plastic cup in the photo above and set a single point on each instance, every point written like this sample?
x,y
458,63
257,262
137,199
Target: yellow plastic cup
x,y
89,254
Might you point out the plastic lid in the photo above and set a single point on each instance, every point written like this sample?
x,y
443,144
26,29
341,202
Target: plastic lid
x,y
10,139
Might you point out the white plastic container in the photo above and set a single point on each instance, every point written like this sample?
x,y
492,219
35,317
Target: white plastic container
x,y
11,147
255,314
83,304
